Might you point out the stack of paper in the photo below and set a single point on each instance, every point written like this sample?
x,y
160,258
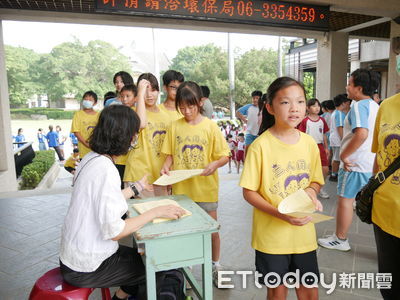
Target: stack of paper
x,y
143,207
177,176
300,205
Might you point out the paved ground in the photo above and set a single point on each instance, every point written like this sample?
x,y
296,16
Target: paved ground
x,y
30,224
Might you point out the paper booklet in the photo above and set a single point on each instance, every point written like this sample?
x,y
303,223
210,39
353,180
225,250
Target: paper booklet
x,y
299,205
177,176
143,207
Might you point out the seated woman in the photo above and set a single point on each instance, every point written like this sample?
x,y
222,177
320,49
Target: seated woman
x,y
90,255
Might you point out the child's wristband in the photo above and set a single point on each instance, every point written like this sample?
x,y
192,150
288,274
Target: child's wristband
x,y
140,185
316,192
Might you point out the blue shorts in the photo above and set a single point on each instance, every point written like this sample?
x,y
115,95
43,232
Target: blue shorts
x,y
249,138
349,183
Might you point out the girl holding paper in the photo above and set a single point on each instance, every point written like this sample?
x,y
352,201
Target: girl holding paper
x,y
275,167
195,142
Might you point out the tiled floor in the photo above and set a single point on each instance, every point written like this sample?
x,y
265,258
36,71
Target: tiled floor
x,y
30,234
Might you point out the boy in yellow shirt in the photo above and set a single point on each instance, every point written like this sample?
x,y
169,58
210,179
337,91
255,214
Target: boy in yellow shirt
x,y
171,81
72,161
84,121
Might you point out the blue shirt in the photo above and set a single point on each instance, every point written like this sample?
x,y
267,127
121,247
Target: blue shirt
x,y
244,109
40,137
112,101
52,138
20,138
73,138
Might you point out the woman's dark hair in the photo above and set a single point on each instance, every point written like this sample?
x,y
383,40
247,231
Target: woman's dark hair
x,y
19,130
278,84
189,93
368,80
150,78
116,127
125,76
90,94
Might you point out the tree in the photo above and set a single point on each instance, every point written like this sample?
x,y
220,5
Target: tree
x,y
73,68
254,70
21,74
309,84
208,65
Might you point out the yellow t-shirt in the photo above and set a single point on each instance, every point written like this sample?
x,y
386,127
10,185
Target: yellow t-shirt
x,y
275,170
194,147
386,145
173,115
70,162
84,123
147,158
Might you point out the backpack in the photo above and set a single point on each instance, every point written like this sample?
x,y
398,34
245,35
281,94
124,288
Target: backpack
x,y
170,286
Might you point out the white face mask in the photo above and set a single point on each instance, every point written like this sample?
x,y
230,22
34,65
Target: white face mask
x,y
87,104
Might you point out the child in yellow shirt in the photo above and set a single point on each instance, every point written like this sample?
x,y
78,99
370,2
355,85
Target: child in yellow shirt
x,y
279,162
84,121
147,158
171,81
195,142
72,161
132,97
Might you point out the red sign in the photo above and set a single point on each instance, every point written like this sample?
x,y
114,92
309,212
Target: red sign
x,y
273,13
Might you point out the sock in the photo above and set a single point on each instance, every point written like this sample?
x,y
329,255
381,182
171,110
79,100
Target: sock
x,y
342,240
216,263
334,174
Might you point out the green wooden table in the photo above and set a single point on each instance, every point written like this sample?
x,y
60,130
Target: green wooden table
x,y
178,244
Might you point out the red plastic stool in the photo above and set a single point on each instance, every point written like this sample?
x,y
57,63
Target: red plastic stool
x,y
51,286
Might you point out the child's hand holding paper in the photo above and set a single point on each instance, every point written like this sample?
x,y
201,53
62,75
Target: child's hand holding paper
x,y
300,205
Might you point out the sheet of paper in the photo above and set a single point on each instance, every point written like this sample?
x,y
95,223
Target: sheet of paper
x,y
300,205
143,207
177,176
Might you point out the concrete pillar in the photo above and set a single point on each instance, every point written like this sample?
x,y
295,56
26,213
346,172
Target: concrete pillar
x,y
354,65
393,86
332,65
8,181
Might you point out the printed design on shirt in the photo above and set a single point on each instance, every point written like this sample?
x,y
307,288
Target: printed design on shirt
x,y
156,136
391,148
190,152
289,178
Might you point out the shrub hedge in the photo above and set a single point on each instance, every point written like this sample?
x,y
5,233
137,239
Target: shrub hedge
x,y
51,113
33,173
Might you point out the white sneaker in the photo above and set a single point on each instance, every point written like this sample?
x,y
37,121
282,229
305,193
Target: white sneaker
x,y
215,270
323,194
333,242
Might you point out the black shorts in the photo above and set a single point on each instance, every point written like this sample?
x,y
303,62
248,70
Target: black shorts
x,y
282,264
69,169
